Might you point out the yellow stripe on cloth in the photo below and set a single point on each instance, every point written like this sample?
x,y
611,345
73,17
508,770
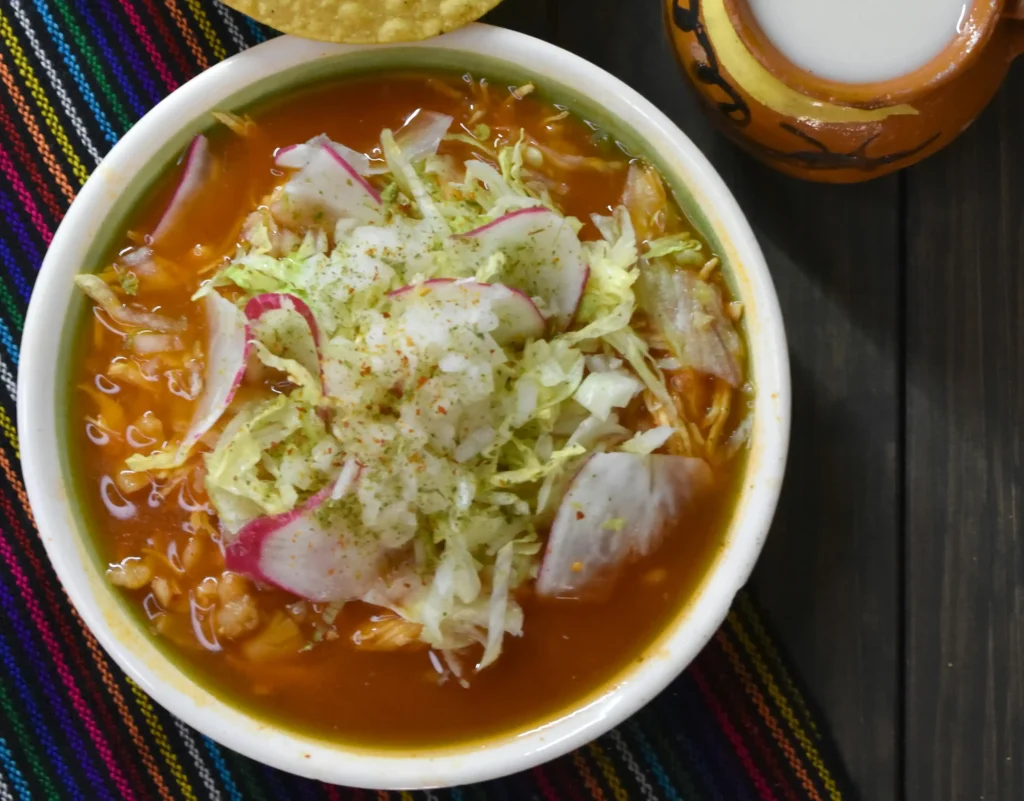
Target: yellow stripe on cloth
x,y
34,88
207,29
605,764
146,707
11,432
588,777
765,641
787,712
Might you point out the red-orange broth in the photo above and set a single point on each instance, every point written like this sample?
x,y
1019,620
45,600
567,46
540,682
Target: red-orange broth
x,y
569,649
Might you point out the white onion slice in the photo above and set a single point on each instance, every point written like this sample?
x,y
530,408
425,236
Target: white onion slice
x,y
146,344
464,303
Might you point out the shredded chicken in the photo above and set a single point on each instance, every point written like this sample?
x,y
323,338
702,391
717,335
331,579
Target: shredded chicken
x,y
679,443
718,415
281,637
387,634
242,126
237,613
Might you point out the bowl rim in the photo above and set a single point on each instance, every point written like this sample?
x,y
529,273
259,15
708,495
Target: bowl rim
x,y
39,383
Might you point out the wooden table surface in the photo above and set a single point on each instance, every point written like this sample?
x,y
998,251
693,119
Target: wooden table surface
x,y
895,569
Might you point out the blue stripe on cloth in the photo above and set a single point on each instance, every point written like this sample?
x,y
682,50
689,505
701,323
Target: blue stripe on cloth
x,y
129,44
652,760
113,63
75,71
9,344
13,267
11,767
39,726
222,769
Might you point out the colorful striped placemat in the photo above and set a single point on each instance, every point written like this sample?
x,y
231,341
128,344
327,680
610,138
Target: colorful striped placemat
x,y
76,74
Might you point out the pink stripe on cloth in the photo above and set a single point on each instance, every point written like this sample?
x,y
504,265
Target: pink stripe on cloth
x,y
53,645
25,196
147,43
763,790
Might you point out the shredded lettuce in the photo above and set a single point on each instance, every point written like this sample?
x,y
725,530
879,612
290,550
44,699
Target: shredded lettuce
x,y
601,392
648,441
682,247
609,302
450,448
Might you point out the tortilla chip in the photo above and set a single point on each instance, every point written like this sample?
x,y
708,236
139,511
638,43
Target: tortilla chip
x,y
364,21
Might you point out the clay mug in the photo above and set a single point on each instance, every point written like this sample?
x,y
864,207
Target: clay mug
x,y
834,108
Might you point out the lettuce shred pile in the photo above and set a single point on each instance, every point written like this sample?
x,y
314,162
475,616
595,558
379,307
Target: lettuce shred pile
x,y
464,446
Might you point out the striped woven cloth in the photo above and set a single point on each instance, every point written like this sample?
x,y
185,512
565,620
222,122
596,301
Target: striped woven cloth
x,y
76,75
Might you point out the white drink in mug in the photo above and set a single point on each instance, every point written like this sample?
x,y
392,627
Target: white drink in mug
x,y
860,41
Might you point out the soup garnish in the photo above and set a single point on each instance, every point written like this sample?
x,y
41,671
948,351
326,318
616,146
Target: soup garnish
x,y
404,401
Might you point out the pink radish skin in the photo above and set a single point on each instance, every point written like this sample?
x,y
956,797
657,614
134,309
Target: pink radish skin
x,y
297,553
325,189
530,212
418,138
642,496
270,301
197,169
295,157
544,258
518,316
353,173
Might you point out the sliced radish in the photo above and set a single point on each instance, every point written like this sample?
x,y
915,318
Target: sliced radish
x,y
283,301
227,351
422,134
295,157
269,301
324,189
297,552
618,508
544,258
468,303
198,164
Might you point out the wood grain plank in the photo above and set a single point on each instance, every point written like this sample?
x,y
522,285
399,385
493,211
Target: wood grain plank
x,y
829,575
965,469
526,16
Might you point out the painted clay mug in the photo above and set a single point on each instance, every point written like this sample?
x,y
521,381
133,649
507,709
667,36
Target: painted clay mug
x,y
840,91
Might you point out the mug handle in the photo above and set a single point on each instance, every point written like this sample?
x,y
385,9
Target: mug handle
x,y
1014,10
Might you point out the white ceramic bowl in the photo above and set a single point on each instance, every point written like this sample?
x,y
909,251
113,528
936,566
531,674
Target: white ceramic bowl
x,y
85,234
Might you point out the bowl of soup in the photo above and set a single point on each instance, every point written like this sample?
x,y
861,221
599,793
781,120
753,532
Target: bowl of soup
x,y
404,416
